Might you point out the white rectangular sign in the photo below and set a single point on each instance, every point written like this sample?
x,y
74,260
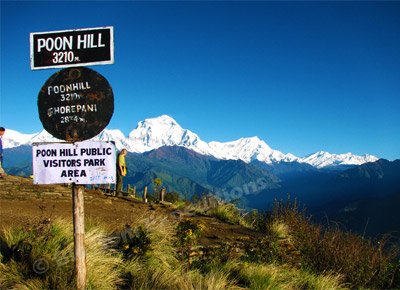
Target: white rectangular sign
x,y
74,47
88,162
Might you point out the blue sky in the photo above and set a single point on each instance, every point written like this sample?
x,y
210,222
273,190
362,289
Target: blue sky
x,y
303,76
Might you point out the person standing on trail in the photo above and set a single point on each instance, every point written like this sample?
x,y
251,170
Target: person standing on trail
x,y
121,171
2,172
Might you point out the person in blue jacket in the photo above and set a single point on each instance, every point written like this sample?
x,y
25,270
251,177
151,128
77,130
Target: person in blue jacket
x,y
2,173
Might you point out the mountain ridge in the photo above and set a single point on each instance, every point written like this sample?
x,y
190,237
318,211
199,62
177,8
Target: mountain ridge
x,y
153,133
258,185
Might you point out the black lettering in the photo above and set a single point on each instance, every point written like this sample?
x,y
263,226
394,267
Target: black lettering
x,y
46,153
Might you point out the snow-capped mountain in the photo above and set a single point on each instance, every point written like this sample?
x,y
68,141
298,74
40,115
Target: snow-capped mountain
x,y
14,139
323,159
154,133
43,136
113,135
164,131
249,149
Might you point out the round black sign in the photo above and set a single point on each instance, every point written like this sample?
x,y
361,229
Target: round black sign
x,y
75,104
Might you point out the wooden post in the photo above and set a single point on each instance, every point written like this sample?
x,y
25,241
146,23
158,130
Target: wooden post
x,y
132,191
162,194
79,236
114,191
145,194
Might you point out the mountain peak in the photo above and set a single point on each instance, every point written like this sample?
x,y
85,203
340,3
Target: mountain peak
x,y
161,131
322,159
153,133
253,139
249,149
160,120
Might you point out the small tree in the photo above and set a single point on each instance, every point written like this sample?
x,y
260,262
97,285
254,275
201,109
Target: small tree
x,y
187,233
157,183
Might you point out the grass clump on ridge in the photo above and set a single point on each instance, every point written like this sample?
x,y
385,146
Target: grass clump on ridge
x,y
166,262
275,276
226,212
212,206
41,256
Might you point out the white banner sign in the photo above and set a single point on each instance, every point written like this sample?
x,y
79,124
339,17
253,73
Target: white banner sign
x,y
86,162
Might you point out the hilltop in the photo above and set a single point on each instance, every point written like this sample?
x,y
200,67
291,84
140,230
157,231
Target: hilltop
x,y
179,245
21,202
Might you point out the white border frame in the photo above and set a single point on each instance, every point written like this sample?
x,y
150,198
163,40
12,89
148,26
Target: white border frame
x,y
111,61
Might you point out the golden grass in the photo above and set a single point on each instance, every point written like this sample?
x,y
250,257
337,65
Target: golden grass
x,y
50,263
274,276
293,254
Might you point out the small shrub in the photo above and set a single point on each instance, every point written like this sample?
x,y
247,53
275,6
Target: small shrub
x,y
187,234
134,242
172,197
212,257
255,220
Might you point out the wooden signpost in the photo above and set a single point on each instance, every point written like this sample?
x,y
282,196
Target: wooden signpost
x,y
79,236
75,104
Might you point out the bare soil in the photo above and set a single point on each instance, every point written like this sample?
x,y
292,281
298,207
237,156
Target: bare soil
x,y
23,202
